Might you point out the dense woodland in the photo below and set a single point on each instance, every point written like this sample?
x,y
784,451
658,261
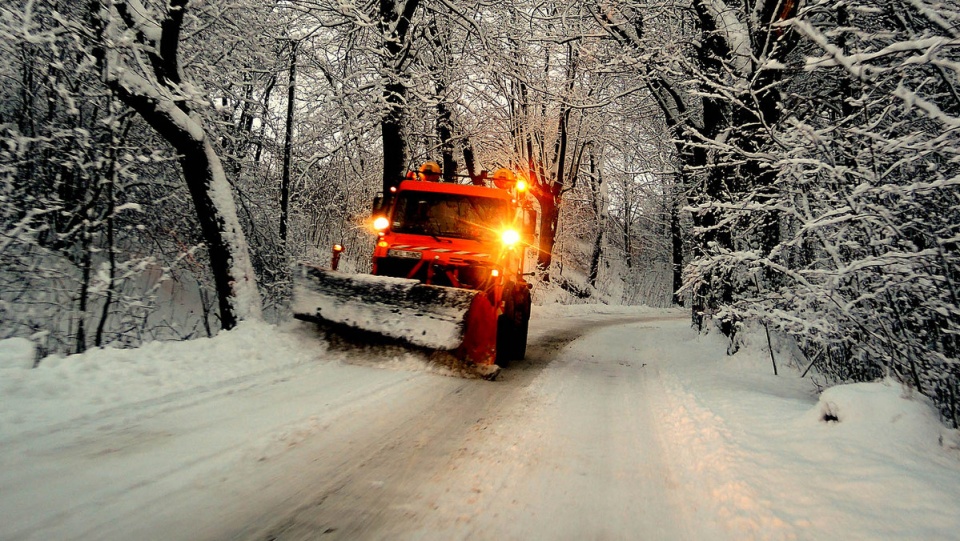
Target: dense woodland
x,y
785,163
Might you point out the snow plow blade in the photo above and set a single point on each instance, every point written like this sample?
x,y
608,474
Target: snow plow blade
x,y
461,322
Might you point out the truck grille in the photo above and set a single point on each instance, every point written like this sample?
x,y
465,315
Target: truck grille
x,y
469,276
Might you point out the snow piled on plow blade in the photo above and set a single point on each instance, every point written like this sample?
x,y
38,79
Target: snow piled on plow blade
x,y
428,316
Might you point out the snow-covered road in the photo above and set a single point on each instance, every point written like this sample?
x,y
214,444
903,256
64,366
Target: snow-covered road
x,y
620,424
560,447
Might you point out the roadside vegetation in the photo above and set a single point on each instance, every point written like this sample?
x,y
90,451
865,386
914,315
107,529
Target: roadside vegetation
x,y
788,164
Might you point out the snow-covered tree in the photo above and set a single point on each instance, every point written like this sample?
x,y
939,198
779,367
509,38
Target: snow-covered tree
x,y
138,52
868,262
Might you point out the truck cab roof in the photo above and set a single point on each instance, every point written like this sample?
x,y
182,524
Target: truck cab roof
x,y
468,190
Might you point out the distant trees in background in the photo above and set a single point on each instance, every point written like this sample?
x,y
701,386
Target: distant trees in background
x,y
783,162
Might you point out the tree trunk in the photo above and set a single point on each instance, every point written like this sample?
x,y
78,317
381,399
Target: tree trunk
x,y
156,97
233,273
288,144
448,164
596,184
85,263
111,241
676,240
444,131
477,178
394,25
549,216
627,241
391,131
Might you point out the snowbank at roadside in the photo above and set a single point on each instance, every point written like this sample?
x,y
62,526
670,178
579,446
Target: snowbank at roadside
x,y
63,388
775,460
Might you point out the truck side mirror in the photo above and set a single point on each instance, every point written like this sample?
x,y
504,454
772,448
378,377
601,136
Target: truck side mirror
x,y
377,203
529,225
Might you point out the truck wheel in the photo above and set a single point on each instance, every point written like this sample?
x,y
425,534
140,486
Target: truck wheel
x,y
507,329
512,325
520,343
505,339
522,325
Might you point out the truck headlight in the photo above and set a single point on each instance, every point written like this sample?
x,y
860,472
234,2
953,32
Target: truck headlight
x,y
380,223
510,237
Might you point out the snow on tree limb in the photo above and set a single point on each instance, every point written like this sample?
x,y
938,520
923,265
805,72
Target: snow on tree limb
x,y
735,33
157,93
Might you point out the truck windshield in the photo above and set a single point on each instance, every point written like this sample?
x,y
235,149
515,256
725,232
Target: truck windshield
x,y
450,215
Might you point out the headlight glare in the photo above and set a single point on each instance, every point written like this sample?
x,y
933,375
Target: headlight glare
x,y
380,223
510,237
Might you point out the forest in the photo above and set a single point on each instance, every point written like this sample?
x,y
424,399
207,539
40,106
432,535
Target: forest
x,y
789,164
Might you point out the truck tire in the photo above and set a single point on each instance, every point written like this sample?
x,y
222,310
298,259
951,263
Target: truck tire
x,y
505,339
506,330
522,324
513,324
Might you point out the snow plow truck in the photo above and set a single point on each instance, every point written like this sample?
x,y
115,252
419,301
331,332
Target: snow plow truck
x,y
447,275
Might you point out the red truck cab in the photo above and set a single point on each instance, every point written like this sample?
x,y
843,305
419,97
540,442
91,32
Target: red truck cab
x,y
462,236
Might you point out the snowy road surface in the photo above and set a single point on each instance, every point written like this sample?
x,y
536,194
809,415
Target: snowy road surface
x,y
619,425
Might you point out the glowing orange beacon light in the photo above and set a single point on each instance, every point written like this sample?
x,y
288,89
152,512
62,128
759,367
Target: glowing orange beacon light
x,y
504,178
430,171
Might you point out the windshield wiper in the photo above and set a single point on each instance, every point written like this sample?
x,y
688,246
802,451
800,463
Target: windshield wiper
x,y
436,236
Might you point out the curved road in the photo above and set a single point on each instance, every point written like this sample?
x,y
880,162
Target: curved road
x,y
570,456
622,425
564,445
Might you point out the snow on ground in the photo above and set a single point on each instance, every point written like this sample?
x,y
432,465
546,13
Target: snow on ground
x,y
93,439
81,386
768,461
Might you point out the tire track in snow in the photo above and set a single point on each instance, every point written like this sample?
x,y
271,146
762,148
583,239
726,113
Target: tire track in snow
x,y
228,440
380,489
703,448
444,471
